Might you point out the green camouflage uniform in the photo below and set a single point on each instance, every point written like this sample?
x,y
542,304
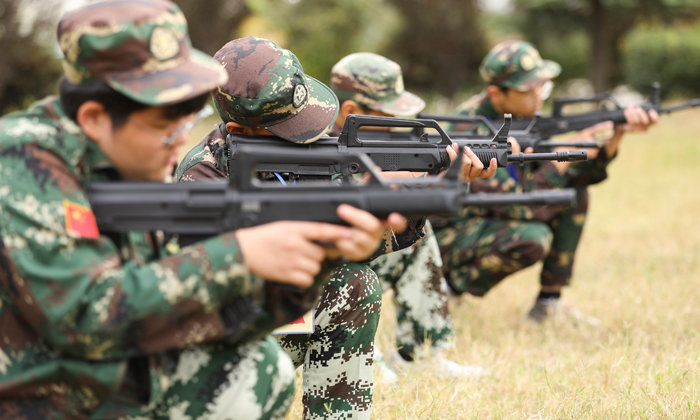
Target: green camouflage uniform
x,y
414,273
95,326
487,245
263,92
337,357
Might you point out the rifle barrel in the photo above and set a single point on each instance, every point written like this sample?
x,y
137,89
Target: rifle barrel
x,y
568,156
553,197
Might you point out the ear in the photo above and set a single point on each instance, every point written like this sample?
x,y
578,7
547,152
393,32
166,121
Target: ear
x,y
495,94
94,120
236,128
348,107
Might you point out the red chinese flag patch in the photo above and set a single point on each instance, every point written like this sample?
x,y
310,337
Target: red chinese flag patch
x,y
80,220
298,321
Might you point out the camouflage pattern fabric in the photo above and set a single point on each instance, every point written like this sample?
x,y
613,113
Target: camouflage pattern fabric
x,y
251,381
375,82
75,306
278,96
517,65
162,68
564,225
338,356
478,252
420,296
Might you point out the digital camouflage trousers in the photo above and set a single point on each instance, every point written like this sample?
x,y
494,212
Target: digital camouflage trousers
x,y
566,228
477,253
338,356
420,296
249,381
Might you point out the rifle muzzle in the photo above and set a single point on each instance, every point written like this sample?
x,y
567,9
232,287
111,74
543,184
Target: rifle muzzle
x,y
568,156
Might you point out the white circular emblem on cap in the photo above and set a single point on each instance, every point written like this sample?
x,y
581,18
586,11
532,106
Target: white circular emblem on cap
x,y
299,95
527,62
164,43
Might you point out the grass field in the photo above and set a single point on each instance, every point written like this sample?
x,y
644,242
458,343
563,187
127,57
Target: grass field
x,y
637,270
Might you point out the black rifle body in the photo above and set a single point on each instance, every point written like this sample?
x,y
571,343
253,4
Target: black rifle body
x,y
209,208
543,128
389,150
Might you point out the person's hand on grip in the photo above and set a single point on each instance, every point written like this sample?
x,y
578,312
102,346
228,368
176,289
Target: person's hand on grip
x,y
290,251
472,167
367,232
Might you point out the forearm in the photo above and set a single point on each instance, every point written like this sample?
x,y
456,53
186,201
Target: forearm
x,y
109,310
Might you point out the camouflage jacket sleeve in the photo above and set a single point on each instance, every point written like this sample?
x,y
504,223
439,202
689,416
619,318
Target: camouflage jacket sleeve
x,y
392,242
73,288
502,182
282,304
589,172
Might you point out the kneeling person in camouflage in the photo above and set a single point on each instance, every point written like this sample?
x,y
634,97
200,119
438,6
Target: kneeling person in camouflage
x,y
112,326
369,84
481,250
269,94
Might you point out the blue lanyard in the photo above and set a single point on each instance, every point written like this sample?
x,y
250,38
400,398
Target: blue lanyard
x,y
513,172
279,177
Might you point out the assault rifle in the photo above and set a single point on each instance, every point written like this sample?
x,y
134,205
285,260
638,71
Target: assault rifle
x,y
209,208
389,150
478,127
558,123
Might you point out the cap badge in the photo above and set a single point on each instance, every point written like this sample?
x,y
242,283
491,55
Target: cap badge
x,y
299,95
164,43
527,62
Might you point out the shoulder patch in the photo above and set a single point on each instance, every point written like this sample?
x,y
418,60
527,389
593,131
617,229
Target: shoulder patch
x,y
80,221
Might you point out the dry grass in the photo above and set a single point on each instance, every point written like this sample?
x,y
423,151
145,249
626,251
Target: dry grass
x,y
638,270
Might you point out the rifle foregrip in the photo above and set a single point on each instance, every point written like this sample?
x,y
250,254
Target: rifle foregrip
x,y
485,157
563,197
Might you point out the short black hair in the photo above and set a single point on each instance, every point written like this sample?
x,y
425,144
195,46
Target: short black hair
x,y
365,109
118,106
502,88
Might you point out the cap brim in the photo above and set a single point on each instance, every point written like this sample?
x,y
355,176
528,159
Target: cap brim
x,y
314,119
405,105
197,75
547,71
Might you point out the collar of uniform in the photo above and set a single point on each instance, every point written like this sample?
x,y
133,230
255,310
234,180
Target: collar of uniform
x,y
486,109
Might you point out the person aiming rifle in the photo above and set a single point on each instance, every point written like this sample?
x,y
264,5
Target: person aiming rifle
x,y
479,251
114,326
286,103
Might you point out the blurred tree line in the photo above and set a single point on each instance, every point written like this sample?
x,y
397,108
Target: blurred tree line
x,y
29,67
587,36
439,43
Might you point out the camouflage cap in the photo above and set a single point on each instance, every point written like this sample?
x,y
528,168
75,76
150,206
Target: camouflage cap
x,y
375,82
267,88
517,65
138,47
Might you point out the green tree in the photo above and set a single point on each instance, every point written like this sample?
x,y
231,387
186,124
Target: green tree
x,y
213,23
441,44
321,32
29,68
549,23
